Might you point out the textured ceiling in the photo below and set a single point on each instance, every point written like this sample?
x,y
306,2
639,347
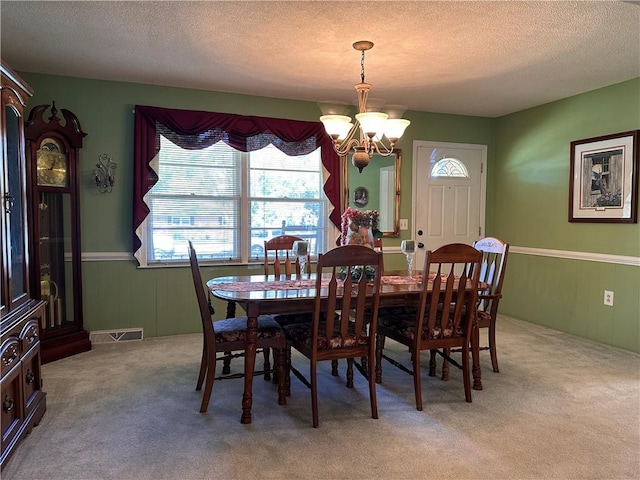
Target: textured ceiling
x,y
475,58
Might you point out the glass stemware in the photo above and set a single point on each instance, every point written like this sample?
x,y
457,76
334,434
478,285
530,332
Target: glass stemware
x,y
301,250
408,247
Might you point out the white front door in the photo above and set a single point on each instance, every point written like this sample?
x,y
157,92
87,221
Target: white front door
x,y
449,191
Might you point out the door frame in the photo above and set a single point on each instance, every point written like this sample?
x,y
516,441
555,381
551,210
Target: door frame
x,y
417,144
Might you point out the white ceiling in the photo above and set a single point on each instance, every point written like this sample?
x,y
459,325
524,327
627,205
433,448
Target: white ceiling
x,y
486,58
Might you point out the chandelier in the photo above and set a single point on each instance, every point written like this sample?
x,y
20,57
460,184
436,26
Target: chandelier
x,y
365,135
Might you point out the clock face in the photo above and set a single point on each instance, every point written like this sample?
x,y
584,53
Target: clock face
x,y
52,164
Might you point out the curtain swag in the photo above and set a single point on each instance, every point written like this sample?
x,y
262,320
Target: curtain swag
x,y
197,129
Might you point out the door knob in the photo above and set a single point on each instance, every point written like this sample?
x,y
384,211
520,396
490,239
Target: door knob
x,y
420,245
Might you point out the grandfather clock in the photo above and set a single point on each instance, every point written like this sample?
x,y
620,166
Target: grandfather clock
x,y
52,155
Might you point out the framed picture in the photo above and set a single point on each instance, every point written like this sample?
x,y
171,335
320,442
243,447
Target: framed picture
x,y
603,183
361,196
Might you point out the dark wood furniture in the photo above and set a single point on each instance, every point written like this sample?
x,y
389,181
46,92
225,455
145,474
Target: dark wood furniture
x,y
261,294
441,318
22,399
342,323
230,335
56,267
278,256
494,264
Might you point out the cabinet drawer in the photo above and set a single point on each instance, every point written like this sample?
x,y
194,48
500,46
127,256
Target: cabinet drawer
x,y
30,334
11,405
31,382
10,354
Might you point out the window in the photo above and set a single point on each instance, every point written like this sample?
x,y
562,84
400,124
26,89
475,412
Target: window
x,y
229,182
449,167
229,202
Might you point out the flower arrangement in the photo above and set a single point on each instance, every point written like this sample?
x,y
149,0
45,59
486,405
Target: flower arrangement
x,y
609,199
359,226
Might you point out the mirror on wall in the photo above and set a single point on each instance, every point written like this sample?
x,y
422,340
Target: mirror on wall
x,y
376,188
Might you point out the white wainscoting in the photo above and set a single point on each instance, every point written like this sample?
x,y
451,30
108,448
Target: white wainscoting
x,y
540,252
585,256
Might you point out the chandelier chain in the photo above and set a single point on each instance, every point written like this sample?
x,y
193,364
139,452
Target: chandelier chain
x,y
362,67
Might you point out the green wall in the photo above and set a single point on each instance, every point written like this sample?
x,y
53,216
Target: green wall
x,y
117,294
525,149
530,185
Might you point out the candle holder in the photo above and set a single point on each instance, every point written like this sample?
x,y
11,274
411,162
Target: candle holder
x,y
408,247
301,251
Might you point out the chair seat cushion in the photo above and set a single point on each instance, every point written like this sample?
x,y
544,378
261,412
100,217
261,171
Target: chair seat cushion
x,y
402,320
302,333
292,318
235,329
483,318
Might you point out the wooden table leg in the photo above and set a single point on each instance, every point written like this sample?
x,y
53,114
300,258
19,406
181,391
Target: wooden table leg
x,y
249,364
475,355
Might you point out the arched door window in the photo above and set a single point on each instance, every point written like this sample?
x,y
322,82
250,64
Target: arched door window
x,y
449,167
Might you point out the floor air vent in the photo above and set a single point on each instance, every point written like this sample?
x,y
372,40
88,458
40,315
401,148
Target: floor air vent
x,y
121,335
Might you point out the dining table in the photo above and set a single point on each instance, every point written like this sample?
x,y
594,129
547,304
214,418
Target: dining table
x,y
268,294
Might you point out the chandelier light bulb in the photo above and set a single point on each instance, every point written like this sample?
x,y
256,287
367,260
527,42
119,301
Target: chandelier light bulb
x,y
394,128
372,122
337,126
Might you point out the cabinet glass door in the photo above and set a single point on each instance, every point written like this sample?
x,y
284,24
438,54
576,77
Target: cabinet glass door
x,y
14,207
56,264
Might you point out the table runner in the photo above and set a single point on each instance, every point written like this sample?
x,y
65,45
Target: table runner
x,y
303,284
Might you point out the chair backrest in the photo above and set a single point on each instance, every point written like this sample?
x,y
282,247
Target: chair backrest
x,y
205,313
453,271
494,262
353,273
278,258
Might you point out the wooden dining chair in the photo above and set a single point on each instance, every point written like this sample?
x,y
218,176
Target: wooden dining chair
x,y
338,327
494,263
229,336
442,318
278,259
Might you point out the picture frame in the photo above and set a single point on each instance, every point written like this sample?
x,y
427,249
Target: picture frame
x,y
603,182
361,197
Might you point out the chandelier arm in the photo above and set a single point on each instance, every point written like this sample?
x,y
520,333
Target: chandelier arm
x,y
346,146
381,149
342,147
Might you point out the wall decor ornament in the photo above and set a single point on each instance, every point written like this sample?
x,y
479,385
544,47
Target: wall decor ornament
x,y
105,173
603,182
361,196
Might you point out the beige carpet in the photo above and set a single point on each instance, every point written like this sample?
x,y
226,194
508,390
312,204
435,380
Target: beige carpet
x,y
562,408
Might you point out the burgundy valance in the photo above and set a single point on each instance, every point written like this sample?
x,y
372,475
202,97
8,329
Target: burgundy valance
x,y
244,133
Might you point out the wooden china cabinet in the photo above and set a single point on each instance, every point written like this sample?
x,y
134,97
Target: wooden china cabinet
x,y
52,158
22,400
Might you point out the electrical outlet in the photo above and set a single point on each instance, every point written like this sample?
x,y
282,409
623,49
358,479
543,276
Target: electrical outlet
x,y
404,224
608,298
